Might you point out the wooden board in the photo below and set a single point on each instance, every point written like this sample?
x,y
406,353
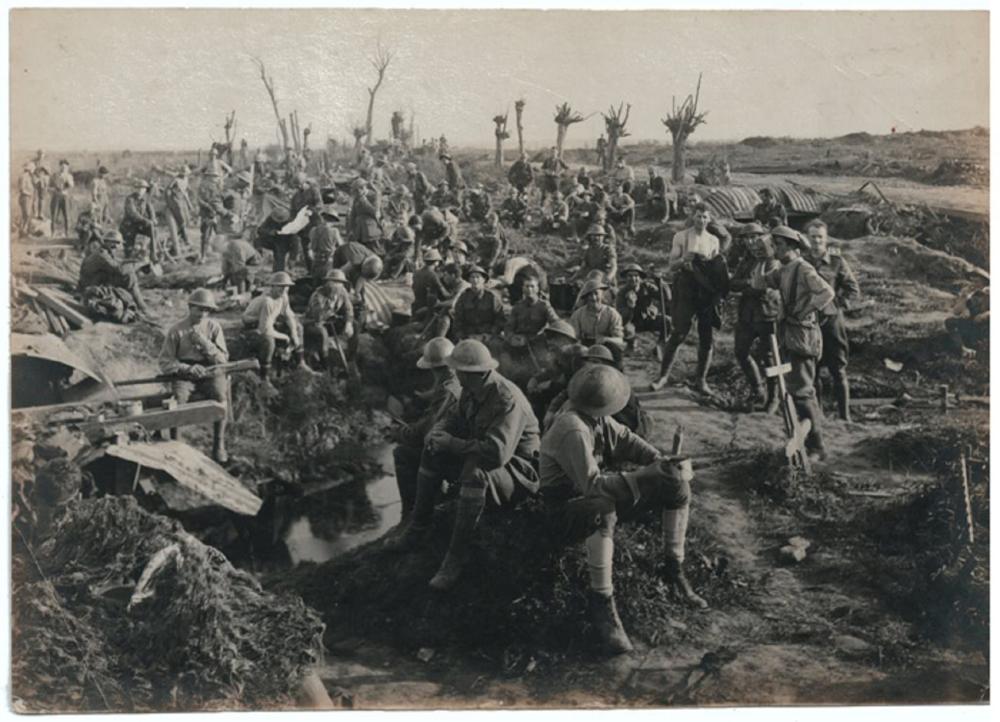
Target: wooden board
x,y
198,412
74,317
193,471
772,371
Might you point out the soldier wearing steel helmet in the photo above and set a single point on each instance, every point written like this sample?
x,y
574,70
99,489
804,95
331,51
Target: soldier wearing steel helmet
x,y
640,302
530,314
189,349
595,321
330,315
488,442
600,253
576,453
139,218
269,322
479,310
411,437
100,269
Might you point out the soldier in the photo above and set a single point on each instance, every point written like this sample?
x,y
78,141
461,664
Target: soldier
x,y
529,315
600,254
477,204
804,294
623,172
62,184
556,215
324,240
209,209
351,257
602,151
26,198
420,186
457,253
216,168
307,196
190,349
596,322
640,304
400,262
364,223
552,170
514,208
88,228
479,310
269,236
560,341
770,212
590,499
452,173
329,317
179,209
488,442
444,196
261,321
833,269
622,209
237,257
99,268
692,252
100,194
521,174
756,315
42,182
411,438
493,245
427,288
139,218
658,205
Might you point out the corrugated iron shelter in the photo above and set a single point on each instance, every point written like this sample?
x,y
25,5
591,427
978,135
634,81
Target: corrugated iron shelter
x,y
738,202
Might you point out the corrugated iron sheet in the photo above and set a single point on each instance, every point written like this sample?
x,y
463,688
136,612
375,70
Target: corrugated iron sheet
x,y
193,471
384,297
51,348
738,202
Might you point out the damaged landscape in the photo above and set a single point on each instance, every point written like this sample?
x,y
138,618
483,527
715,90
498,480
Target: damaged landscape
x,y
150,575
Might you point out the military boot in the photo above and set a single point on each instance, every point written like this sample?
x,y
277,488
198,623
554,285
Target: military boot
x,y
842,388
604,617
679,581
809,409
460,549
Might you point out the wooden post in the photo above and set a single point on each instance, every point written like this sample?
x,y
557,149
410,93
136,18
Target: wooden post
x,y
943,388
967,494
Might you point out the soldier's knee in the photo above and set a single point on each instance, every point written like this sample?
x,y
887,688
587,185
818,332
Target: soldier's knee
x,y
605,524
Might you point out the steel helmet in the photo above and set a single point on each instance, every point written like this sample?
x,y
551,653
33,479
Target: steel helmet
x,y
459,246
142,183
336,275
202,297
599,390
471,355
591,286
752,229
563,328
281,278
279,214
474,269
792,235
371,267
596,230
112,237
436,353
599,353
431,255
632,268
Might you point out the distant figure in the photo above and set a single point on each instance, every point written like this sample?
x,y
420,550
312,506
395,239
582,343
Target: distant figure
x,y
602,152
62,184
552,170
769,212
26,197
100,195
521,174
139,218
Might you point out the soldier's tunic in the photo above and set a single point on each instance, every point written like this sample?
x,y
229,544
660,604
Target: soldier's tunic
x,y
478,314
527,318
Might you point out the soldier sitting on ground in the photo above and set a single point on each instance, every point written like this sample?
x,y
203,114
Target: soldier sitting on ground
x,y
969,325
190,348
529,315
270,323
329,320
488,442
641,305
591,499
479,311
237,258
107,286
596,322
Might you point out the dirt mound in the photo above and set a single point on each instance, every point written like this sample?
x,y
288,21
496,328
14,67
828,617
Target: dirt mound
x,y
522,594
131,613
760,141
960,173
860,138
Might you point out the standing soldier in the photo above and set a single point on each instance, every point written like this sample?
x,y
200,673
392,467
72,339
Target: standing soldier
x,y
479,310
756,315
591,499
42,183
307,196
179,209
324,240
419,185
693,251
62,184
209,209
216,168
411,438
770,212
139,218
658,205
26,197
521,174
602,152
804,294
100,195
552,170
190,348
833,269
488,442
452,173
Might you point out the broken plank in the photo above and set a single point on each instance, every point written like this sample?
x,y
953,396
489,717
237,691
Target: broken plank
x,y
875,494
772,371
75,318
198,412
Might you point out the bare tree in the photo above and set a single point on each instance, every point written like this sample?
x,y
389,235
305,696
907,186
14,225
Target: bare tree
x,y
519,111
501,135
565,117
380,61
615,122
681,122
269,86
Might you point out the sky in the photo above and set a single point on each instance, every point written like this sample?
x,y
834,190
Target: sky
x,y
165,79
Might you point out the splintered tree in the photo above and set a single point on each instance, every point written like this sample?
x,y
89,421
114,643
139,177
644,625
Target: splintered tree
x,y
614,123
359,132
269,86
519,112
565,117
681,122
380,61
501,135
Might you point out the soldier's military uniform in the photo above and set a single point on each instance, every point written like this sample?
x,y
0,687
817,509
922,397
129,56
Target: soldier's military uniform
x,y
528,318
833,269
478,314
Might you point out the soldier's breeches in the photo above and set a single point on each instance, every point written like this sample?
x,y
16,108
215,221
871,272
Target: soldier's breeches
x,y
800,381
406,460
836,347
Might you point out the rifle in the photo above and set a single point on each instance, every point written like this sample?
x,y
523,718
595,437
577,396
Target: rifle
x,y
663,316
227,368
352,370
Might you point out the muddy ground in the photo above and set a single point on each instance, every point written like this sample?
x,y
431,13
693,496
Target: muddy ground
x,y
864,618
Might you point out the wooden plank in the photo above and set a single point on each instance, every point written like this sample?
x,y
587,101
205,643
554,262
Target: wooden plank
x,y
772,371
76,319
66,299
50,319
967,496
198,412
798,441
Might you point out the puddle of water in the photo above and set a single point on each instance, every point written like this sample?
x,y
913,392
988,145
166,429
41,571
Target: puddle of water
x,y
344,517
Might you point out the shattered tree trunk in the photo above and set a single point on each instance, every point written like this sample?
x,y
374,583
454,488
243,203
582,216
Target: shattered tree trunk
x,y
519,111
269,86
501,135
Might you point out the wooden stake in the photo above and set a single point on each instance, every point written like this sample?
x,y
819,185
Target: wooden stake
x,y
967,494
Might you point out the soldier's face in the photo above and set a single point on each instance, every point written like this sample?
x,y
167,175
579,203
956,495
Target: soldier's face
x,y
197,313
634,279
471,380
817,236
594,299
782,249
277,291
530,289
700,220
477,282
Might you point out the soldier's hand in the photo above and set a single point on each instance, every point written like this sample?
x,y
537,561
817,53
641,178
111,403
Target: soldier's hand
x,y
197,371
